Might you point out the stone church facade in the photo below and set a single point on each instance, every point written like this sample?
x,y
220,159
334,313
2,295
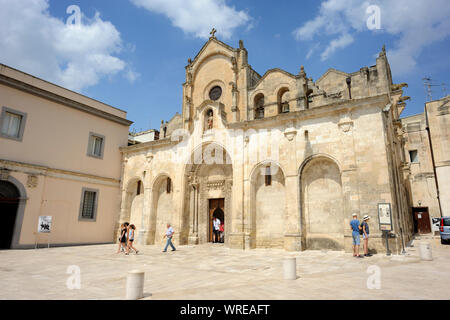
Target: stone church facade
x,y
283,160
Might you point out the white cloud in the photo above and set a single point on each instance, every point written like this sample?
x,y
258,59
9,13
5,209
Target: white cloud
x,y
336,44
415,23
74,56
198,17
312,50
132,75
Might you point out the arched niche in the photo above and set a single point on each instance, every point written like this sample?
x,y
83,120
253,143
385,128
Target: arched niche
x,y
267,206
136,205
162,211
322,204
131,207
258,106
283,100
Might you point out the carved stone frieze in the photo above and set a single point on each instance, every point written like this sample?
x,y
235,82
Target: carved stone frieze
x,y
4,174
32,181
213,185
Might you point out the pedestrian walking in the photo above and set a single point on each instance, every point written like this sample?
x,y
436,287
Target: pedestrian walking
x,y
355,227
131,232
169,236
122,238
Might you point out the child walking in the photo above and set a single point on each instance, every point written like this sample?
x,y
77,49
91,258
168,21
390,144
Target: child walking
x,y
131,231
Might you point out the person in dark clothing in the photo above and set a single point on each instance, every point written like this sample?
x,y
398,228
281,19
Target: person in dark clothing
x,y
123,237
365,228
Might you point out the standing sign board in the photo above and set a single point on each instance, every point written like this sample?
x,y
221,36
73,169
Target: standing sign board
x,y
385,216
45,224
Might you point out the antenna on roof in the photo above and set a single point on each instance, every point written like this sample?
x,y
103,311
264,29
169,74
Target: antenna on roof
x,y
427,82
444,89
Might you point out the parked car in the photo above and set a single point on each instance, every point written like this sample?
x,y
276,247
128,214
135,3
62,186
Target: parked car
x,y
444,229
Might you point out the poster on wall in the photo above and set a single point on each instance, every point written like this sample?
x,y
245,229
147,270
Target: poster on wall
x,y
385,216
45,224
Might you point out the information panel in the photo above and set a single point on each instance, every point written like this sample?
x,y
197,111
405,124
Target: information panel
x,y
385,216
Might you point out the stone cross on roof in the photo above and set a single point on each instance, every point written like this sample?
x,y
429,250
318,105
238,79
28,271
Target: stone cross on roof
x,y
213,33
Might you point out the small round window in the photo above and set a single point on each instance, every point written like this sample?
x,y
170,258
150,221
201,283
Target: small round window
x,y
215,93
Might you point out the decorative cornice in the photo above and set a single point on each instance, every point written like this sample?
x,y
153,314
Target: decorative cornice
x,y
317,112
150,144
43,170
22,86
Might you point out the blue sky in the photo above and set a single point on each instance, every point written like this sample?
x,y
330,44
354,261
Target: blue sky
x,y
131,54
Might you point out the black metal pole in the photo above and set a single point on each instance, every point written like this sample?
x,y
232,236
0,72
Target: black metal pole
x,y
403,244
388,252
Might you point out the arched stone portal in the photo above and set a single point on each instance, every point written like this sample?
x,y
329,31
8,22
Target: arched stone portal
x,y
208,178
322,205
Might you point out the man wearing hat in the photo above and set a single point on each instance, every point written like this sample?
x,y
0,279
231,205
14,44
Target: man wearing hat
x,y
355,227
365,228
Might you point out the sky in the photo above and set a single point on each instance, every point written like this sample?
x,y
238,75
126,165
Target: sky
x,y
132,54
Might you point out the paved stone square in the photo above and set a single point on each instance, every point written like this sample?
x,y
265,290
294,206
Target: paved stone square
x,y
212,271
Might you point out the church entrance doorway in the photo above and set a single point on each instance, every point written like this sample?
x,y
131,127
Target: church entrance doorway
x,y
9,203
422,224
216,210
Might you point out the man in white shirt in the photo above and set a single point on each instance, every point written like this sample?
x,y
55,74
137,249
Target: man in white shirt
x,y
169,235
216,224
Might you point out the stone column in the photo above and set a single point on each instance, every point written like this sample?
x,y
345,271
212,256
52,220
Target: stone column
x,y
292,236
227,208
147,202
143,233
236,237
122,212
248,222
234,90
349,177
194,198
234,108
125,206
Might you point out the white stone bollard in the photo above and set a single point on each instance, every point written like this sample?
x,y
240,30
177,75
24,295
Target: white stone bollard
x,y
425,251
290,268
135,285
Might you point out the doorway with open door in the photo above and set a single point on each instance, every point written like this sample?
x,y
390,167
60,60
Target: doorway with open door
x,y
216,228
422,224
9,204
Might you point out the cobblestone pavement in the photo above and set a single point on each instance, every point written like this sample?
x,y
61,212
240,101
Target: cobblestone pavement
x,y
212,271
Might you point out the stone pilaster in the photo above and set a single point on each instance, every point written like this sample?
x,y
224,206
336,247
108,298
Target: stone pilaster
x,y
194,200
